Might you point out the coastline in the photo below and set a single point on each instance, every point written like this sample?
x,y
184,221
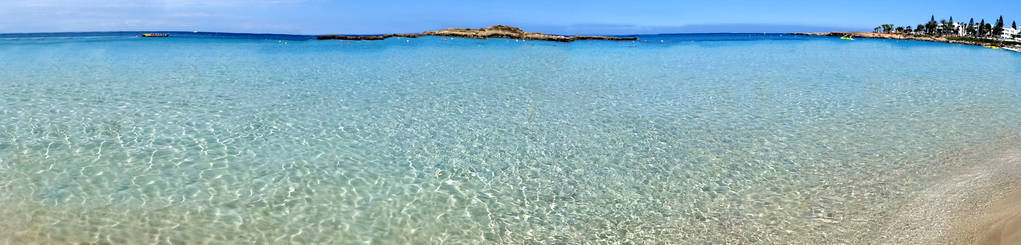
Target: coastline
x,y
979,205
898,36
772,118
497,31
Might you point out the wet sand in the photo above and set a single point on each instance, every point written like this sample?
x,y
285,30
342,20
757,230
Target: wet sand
x,y
981,205
999,224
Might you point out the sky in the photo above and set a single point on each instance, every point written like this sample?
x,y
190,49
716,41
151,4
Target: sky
x,y
562,17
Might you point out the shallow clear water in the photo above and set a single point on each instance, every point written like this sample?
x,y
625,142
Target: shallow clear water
x,y
699,138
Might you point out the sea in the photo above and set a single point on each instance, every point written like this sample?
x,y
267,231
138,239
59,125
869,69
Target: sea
x,y
220,138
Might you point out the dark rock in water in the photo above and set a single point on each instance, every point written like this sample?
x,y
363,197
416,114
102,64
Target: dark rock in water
x,y
497,31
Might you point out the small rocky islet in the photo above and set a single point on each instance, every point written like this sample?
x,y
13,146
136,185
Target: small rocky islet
x,y
497,31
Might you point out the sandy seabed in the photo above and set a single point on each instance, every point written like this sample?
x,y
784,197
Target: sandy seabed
x,y
980,205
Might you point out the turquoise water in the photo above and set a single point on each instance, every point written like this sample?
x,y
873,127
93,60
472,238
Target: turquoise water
x,y
696,139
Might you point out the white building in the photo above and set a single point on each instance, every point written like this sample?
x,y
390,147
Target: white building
x,y
956,29
1009,33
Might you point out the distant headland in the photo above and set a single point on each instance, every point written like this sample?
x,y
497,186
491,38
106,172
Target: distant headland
x,y
1005,44
991,35
497,31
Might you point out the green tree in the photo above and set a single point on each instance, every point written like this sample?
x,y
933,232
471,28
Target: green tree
x,y
953,27
1013,25
971,27
920,28
887,27
982,28
900,29
946,27
908,29
998,28
931,26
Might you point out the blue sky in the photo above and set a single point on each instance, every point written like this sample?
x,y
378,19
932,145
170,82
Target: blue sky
x,y
566,16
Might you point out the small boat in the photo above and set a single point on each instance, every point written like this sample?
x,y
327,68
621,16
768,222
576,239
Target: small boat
x,y
846,37
155,35
993,47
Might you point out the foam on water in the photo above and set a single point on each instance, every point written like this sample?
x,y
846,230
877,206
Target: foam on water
x,y
700,138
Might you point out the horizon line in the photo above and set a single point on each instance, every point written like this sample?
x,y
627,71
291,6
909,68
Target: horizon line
x,y
315,35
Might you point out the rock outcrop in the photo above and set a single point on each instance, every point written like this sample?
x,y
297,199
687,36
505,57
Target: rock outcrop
x,y
497,31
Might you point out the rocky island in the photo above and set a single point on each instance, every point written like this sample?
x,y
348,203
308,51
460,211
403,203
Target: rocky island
x,y
497,31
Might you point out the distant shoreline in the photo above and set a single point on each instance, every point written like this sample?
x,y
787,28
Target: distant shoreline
x,y
898,36
497,31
